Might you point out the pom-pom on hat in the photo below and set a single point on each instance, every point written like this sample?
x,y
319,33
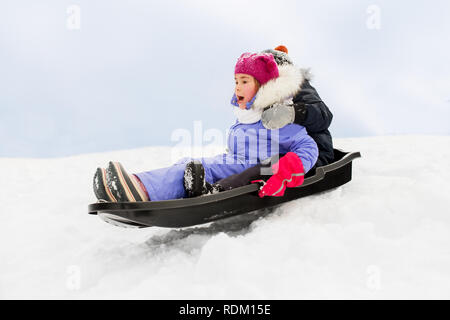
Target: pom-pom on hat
x,y
261,66
282,49
280,55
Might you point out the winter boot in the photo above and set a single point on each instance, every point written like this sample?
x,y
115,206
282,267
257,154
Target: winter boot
x,y
194,180
125,187
101,190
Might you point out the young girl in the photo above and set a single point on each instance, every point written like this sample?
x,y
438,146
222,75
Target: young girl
x,y
259,83
306,109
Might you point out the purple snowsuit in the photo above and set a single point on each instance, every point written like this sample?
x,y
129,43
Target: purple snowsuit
x,y
248,144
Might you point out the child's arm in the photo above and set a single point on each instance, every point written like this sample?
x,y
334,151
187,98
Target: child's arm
x,y
306,148
307,109
310,111
289,171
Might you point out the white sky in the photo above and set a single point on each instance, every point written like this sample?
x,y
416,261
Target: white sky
x,y
138,70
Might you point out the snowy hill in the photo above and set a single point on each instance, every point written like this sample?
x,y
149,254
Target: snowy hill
x,y
386,234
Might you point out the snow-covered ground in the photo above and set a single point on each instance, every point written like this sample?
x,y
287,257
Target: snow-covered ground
x,y
386,234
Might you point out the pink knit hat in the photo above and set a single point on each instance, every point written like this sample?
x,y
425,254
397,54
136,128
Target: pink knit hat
x,y
261,66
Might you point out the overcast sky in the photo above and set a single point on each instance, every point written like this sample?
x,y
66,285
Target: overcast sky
x,y
93,76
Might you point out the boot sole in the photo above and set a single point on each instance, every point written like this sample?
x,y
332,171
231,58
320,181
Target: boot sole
x,y
101,189
122,185
194,174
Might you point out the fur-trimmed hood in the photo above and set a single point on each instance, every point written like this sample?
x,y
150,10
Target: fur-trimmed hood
x,y
286,86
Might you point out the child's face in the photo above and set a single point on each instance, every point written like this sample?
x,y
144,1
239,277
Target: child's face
x,y
246,88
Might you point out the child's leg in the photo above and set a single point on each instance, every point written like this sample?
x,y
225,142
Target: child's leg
x,y
260,171
241,179
195,184
168,183
165,183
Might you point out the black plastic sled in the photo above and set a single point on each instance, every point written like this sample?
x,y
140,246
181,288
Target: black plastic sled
x,y
192,211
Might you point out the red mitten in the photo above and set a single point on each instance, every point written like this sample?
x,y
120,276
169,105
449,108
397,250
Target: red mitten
x,y
287,172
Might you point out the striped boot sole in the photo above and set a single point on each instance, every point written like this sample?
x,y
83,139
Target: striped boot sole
x,y
101,190
123,187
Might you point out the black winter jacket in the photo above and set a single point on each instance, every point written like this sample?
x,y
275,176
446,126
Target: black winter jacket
x,y
314,115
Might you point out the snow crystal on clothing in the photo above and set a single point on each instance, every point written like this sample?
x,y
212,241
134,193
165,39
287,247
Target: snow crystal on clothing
x,y
188,178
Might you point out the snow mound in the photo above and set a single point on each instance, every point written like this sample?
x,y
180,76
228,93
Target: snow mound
x,y
385,234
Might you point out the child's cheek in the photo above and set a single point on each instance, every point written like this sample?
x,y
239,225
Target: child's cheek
x,y
247,93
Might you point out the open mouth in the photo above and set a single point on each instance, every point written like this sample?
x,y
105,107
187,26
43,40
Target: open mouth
x,y
240,98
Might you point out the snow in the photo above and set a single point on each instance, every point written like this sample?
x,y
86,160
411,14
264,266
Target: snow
x,y
385,234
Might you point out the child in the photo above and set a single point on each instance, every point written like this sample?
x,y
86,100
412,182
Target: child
x,y
259,84
306,109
